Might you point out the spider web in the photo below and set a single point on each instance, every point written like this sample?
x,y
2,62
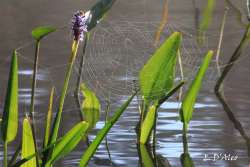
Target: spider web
x,y
115,53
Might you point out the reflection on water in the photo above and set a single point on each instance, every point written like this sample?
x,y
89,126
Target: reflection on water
x,y
118,48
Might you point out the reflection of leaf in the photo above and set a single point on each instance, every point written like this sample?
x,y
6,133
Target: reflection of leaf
x,y
68,142
206,19
9,124
40,32
186,160
90,106
157,76
98,11
148,124
102,133
145,157
28,144
193,90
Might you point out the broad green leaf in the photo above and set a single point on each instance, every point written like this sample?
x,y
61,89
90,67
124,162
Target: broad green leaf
x,y
98,11
145,157
68,142
40,32
186,160
102,133
148,124
48,120
10,112
206,18
193,90
90,106
28,145
157,76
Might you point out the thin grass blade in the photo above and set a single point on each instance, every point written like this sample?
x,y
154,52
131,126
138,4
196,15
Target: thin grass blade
x,y
9,125
193,90
68,142
103,132
48,120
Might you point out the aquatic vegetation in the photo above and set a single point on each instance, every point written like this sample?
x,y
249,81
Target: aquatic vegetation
x,y
206,19
102,133
9,124
48,119
90,106
28,144
156,80
68,142
193,90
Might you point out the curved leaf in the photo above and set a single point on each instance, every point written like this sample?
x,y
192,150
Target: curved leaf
x,y
190,98
40,32
157,76
90,106
102,133
68,142
9,123
28,144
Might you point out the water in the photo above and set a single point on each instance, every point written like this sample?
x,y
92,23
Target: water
x,y
119,47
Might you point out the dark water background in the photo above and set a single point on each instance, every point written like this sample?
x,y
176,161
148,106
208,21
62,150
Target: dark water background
x,y
118,48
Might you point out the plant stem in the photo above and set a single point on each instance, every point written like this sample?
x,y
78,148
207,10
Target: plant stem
x,y
79,79
236,55
5,156
64,91
32,100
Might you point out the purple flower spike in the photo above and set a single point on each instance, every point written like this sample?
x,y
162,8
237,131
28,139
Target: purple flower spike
x,y
79,26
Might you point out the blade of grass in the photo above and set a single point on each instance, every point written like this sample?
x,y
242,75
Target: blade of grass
x,y
103,132
206,20
68,142
48,120
28,144
9,124
193,90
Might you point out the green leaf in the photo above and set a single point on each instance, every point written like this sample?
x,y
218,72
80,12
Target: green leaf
x,y
145,157
40,32
190,98
48,120
206,19
68,142
148,124
90,106
157,76
10,112
28,145
103,132
98,11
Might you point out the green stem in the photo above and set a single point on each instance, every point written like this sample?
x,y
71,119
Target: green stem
x,y
5,156
32,100
64,92
79,79
184,137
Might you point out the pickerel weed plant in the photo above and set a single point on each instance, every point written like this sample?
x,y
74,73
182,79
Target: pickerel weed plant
x,y
156,82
